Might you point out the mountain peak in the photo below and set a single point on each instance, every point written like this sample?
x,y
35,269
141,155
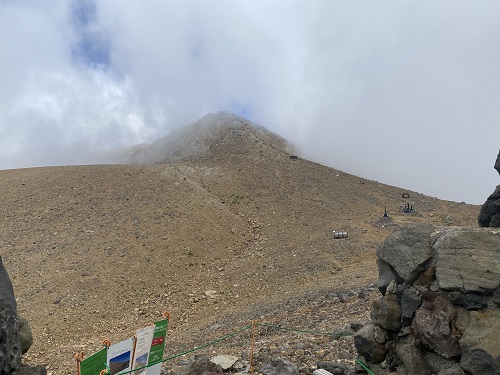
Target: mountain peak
x,y
215,135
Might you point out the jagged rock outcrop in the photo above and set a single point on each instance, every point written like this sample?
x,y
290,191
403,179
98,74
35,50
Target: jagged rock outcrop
x,y
15,333
489,215
10,344
439,313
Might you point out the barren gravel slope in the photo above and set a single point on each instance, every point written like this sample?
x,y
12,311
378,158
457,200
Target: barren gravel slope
x,y
97,252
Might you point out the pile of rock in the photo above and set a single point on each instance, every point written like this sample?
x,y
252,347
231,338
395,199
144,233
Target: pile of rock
x,y
15,333
440,310
202,364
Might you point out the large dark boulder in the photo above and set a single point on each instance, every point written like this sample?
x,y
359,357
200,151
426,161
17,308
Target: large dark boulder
x,y
489,215
10,345
368,346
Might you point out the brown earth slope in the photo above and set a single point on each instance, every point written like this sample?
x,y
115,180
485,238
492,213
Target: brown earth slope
x,y
97,252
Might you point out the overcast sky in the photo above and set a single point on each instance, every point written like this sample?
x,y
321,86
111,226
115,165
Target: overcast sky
x,y
402,92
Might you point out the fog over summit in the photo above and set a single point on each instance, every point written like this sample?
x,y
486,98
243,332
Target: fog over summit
x,y
213,136
401,93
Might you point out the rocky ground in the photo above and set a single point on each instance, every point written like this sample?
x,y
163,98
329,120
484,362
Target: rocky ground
x,y
232,233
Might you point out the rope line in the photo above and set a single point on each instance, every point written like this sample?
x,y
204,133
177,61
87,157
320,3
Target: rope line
x,y
253,325
364,366
339,334
206,345
188,351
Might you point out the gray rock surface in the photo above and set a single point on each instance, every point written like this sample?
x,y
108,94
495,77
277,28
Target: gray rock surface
x,y
334,368
473,301
386,275
496,297
29,370
203,364
410,302
25,335
468,261
407,250
224,361
433,324
278,366
480,343
321,371
455,369
438,363
386,313
411,360
10,345
367,346
478,362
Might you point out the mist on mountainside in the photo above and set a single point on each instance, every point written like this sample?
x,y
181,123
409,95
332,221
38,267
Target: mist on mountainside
x,y
189,140
212,133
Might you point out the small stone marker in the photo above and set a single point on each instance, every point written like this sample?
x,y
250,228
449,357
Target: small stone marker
x,y
224,361
321,371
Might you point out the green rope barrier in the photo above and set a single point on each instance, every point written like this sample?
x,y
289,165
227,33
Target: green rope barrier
x,y
188,351
208,344
364,366
339,334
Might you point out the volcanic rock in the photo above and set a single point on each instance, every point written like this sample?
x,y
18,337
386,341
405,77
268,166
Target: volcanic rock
x,y
367,345
468,261
386,313
407,250
489,215
433,323
480,343
278,366
10,345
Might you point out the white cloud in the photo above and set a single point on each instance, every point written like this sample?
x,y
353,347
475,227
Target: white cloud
x,y
404,93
